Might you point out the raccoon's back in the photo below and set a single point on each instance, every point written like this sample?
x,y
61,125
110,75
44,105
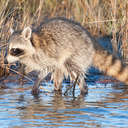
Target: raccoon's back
x,y
64,32
62,37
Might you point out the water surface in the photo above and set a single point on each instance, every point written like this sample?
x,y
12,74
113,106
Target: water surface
x,y
105,106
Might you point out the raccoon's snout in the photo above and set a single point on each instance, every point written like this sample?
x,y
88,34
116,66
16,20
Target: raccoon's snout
x,y
11,59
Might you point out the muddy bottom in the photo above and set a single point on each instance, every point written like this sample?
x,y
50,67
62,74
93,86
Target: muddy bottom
x,y
105,106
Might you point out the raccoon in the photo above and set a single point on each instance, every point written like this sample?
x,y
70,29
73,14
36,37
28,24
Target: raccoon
x,y
65,49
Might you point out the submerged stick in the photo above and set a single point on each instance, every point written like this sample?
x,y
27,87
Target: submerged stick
x,y
73,86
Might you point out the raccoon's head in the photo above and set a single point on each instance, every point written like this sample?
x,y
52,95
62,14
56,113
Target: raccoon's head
x,y
20,46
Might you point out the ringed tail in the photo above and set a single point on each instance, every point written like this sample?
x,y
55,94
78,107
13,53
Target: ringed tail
x,y
110,65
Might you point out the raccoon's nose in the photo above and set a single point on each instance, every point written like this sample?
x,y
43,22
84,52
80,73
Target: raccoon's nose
x,y
5,61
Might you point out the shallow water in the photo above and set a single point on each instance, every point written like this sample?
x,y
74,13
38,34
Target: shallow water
x,y
105,106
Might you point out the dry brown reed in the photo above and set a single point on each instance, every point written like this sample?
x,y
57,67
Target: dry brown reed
x,y
100,17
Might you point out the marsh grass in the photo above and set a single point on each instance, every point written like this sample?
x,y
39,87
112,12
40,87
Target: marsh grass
x,y
100,17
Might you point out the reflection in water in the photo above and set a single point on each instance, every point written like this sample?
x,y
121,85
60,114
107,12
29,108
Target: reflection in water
x,y
55,111
104,106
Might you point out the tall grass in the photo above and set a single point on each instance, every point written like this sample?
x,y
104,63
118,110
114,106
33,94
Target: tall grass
x,y
100,17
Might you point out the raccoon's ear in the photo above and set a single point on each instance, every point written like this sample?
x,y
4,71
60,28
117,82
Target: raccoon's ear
x,y
27,32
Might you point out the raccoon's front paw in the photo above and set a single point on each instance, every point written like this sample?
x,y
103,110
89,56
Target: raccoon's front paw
x,y
35,91
84,91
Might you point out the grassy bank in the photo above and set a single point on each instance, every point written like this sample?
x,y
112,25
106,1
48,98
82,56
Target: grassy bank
x,y
100,17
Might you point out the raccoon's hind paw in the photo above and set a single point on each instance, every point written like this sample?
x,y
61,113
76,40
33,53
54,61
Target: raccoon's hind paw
x,y
58,92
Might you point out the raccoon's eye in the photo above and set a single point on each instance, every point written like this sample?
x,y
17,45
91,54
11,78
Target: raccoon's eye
x,y
16,52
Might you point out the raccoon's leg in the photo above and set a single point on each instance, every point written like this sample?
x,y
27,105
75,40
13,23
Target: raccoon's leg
x,y
82,85
57,78
35,88
41,77
76,73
